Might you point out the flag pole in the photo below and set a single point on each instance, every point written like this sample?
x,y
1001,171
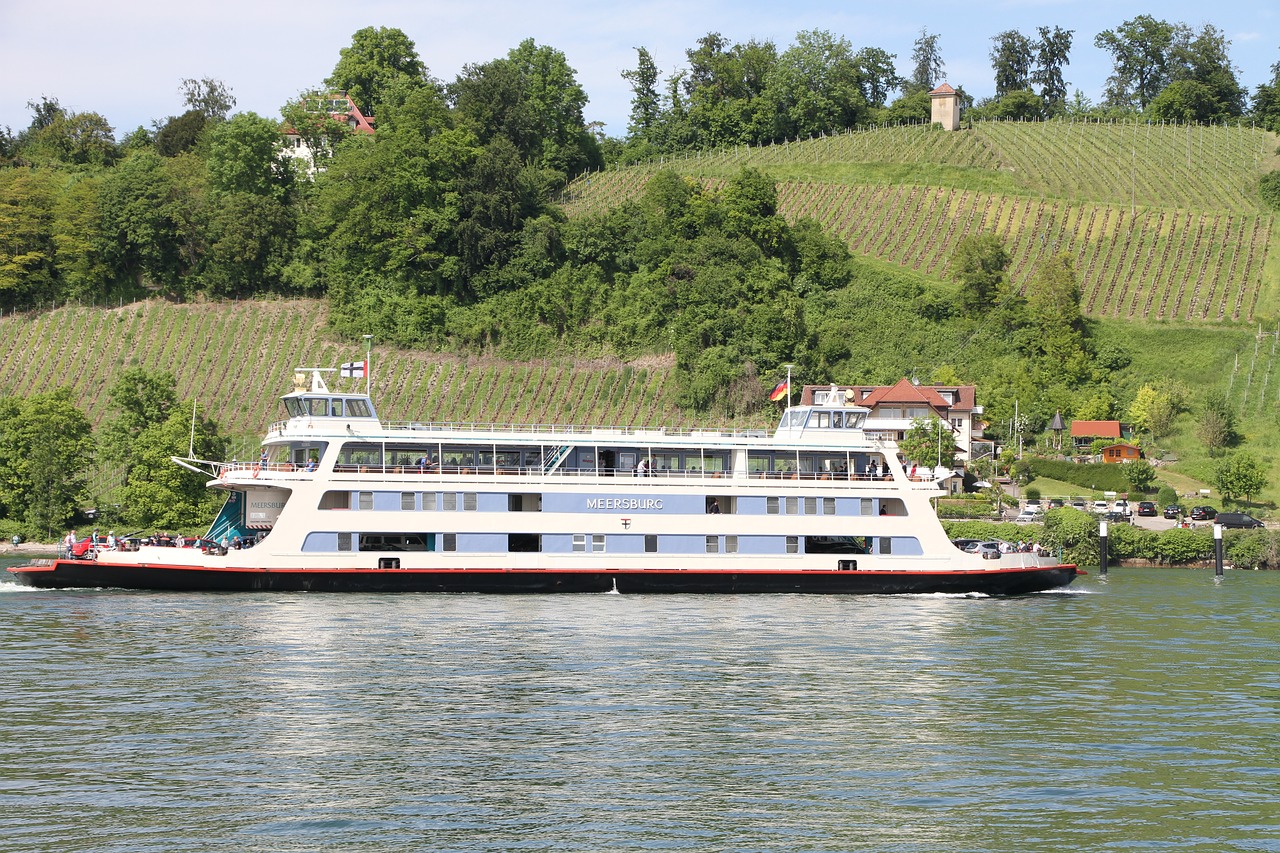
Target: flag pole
x,y
368,361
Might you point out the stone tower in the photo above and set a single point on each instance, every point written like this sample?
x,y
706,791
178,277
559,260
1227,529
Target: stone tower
x,y
946,107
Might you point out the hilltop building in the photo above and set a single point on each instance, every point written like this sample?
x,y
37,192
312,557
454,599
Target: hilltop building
x,y
945,103
340,108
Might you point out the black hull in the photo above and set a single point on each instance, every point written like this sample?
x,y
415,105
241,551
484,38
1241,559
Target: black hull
x,y
64,574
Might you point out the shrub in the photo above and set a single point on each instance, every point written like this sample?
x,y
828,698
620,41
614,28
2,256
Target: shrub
x,y
1096,476
1180,545
1166,496
1269,189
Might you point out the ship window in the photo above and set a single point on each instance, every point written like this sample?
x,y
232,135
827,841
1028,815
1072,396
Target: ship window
x,y
469,501
393,542
344,541
407,501
865,507
366,500
524,542
713,544
335,408
771,505
731,544
524,503
793,506
886,545
810,506
317,406
359,409
828,506
450,502
579,542
824,420
334,499
597,543
793,544
449,542
428,501
650,543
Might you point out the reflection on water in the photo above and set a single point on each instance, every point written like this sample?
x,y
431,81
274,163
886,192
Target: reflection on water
x,y
1139,712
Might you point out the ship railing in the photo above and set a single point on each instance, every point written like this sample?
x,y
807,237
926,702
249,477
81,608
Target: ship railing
x,y
257,470
280,427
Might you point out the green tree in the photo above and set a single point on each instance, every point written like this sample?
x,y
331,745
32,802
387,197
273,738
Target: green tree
x,y
212,98
1266,102
531,97
1239,474
1216,427
646,103
1053,306
1152,410
1184,101
27,269
978,264
877,75
1140,474
76,139
926,63
1012,55
1053,51
1142,52
814,87
46,449
160,494
378,65
1203,57
145,232
246,156
930,441
181,133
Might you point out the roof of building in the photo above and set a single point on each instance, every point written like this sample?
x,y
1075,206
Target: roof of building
x,y
904,392
1095,429
943,89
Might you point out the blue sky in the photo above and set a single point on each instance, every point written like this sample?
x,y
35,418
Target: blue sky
x,y
126,60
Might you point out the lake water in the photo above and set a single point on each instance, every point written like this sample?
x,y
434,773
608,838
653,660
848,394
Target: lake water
x,y
1137,712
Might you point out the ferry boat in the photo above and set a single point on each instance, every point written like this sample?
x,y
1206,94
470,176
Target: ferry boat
x,y
341,501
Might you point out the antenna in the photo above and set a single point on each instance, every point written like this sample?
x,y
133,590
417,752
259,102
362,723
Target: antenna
x,y
191,445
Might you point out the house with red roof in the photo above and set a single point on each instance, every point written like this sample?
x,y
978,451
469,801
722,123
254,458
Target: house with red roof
x,y
1085,433
893,408
339,107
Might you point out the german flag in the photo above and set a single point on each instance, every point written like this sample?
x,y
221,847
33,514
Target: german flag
x,y
781,392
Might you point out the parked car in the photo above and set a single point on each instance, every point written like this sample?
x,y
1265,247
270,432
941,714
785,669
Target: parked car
x,y
1080,505
1203,513
1147,509
1173,511
986,550
1101,506
1030,513
1116,518
1056,503
82,548
1237,520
